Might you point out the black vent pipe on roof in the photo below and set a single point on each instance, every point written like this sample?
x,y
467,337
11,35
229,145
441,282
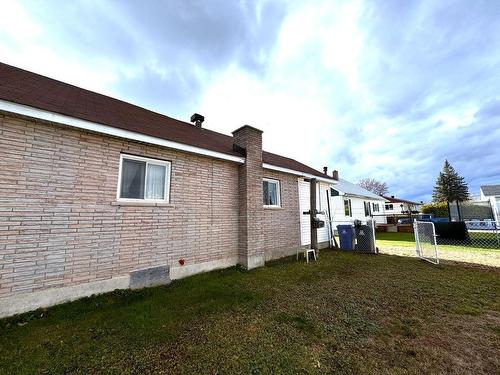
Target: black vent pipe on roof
x,y
197,119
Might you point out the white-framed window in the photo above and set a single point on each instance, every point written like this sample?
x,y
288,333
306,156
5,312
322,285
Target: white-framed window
x,y
143,179
271,192
376,207
389,206
347,207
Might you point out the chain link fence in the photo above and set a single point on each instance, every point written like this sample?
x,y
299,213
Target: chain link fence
x,y
470,233
473,225
425,240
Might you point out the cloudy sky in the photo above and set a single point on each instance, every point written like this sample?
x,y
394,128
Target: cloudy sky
x,y
382,89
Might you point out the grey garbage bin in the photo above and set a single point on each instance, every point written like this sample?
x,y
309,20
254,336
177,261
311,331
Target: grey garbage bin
x,y
364,239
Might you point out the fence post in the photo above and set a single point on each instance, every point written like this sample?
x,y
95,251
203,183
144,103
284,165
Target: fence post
x,y
374,237
417,240
435,242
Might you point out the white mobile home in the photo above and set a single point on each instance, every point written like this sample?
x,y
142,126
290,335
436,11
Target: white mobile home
x,y
492,194
349,202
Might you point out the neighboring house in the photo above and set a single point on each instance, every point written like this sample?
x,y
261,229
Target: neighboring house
x,y
492,194
351,202
97,194
396,207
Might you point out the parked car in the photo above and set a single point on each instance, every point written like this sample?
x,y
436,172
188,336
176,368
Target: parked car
x,y
425,217
480,224
431,218
440,220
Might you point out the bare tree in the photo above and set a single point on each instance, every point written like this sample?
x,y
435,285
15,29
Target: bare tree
x,y
376,187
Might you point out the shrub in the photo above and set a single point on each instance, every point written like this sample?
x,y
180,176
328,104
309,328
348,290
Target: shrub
x,y
438,209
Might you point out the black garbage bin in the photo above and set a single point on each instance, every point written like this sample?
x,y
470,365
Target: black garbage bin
x,y
364,239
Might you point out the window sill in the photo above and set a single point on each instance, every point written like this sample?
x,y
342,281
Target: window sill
x,y
142,204
273,208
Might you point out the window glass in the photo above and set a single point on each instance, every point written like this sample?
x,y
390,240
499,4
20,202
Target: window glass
x,y
347,207
270,193
133,174
367,208
155,182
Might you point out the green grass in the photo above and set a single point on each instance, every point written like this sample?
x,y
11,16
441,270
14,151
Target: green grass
x,y
345,314
395,239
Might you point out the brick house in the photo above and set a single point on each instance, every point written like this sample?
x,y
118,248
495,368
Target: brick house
x,y
97,194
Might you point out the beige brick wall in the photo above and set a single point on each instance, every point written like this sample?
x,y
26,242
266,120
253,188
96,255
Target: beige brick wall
x,y
251,240
281,226
60,224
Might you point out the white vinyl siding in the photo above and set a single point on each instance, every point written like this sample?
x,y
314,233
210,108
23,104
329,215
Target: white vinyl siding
x,y
321,206
323,189
357,210
304,205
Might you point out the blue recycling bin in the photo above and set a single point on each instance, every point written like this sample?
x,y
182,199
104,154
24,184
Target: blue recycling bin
x,y
346,234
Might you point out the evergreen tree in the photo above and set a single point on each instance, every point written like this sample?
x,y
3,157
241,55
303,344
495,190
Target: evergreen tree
x,y
450,186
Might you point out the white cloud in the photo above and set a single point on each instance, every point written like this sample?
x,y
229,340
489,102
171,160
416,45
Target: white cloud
x,y
374,89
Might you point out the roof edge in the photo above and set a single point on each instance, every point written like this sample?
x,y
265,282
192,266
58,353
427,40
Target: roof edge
x,y
297,173
399,200
364,196
75,122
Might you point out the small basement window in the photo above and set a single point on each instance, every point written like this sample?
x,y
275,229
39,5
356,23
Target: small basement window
x,y
271,192
143,179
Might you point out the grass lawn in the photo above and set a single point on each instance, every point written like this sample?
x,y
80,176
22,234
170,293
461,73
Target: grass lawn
x,y
404,244
346,313
395,239
488,240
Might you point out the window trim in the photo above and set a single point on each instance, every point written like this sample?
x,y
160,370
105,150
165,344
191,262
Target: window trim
x,y
278,192
168,168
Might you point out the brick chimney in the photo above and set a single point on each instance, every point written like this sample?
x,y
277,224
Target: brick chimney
x,y
251,210
335,175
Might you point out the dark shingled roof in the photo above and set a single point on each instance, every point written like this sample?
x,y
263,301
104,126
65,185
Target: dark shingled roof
x,y
34,90
284,162
491,190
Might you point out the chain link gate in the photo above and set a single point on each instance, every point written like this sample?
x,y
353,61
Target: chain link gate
x,y
425,239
